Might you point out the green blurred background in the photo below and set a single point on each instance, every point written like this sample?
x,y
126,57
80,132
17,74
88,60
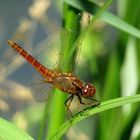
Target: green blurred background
x,y
109,58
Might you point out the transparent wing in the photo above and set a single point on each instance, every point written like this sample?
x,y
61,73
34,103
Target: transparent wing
x,y
67,51
52,51
71,47
85,19
47,51
42,90
63,82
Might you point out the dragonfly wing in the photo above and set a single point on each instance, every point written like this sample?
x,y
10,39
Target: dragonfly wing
x,y
51,50
63,83
42,91
49,55
68,50
54,53
76,46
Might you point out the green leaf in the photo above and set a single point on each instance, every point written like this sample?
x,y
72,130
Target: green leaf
x,y
106,16
9,131
106,105
120,24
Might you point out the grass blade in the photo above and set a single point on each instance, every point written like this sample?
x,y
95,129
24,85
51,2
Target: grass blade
x,y
10,132
106,105
106,16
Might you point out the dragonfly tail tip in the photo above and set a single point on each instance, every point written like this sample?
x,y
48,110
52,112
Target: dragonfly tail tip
x,y
10,42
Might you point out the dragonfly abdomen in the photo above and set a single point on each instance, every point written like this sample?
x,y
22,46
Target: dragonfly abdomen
x,y
39,67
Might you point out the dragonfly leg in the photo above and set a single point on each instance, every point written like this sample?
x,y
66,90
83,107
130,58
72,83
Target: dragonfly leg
x,y
80,100
91,105
96,103
68,104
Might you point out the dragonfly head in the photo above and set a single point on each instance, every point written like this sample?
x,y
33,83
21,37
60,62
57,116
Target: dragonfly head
x,y
88,91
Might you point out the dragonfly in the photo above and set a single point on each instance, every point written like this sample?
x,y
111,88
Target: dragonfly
x,y
66,82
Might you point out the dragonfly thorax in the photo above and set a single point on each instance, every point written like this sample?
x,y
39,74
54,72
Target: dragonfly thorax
x,y
88,90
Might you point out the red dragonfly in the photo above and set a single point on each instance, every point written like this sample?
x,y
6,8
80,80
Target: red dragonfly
x,y
66,82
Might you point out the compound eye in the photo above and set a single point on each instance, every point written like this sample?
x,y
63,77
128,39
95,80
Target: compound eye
x,y
88,91
85,92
